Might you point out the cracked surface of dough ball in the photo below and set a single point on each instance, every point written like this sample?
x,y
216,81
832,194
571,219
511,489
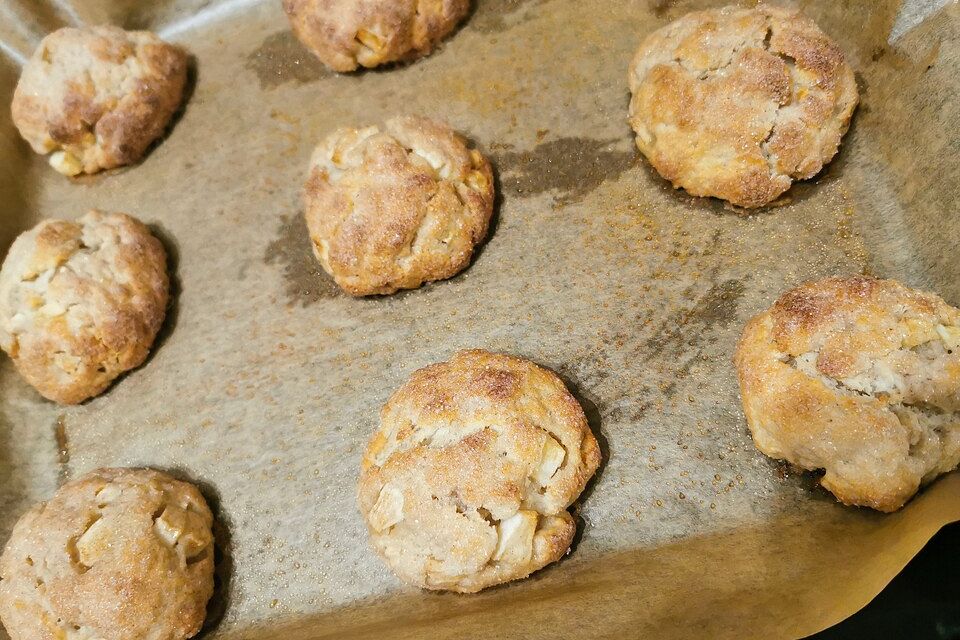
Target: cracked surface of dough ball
x,y
115,555
467,481
393,208
858,377
738,103
81,302
95,98
347,34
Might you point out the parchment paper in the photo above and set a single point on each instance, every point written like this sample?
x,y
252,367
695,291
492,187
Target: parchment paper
x,y
266,382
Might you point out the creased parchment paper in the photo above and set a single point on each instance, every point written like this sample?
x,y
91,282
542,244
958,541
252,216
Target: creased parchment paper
x,y
266,382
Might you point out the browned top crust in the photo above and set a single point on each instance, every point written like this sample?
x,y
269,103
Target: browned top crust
x,y
467,480
860,377
116,555
737,103
391,209
346,34
98,96
81,302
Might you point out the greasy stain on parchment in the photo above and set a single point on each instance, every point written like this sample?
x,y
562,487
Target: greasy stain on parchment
x,y
668,10
717,307
687,328
569,167
281,58
492,16
306,281
678,341
63,450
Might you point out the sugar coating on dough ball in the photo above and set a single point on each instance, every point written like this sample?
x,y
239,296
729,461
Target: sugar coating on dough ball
x,y
392,208
861,378
115,555
467,480
346,34
95,98
738,103
81,302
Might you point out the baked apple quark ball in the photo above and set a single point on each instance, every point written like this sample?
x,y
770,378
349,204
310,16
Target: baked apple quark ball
x,y
858,377
393,207
96,97
81,302
118,554
346,34
468,479
738,103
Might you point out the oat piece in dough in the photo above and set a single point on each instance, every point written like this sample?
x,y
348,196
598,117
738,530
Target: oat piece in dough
x,y
737,103
116,555
467,481
81,302
346,34
392,208
96,97
859,377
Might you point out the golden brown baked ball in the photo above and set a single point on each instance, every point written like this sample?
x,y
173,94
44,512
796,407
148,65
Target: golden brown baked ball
x,y
346,34
858,377
81,302
116,555
392,208
95,98
467,480
738,103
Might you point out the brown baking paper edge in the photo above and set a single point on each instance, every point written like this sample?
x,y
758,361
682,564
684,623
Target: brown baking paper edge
x,y
265,382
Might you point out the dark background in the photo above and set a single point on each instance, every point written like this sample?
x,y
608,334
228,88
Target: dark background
x,y
922,603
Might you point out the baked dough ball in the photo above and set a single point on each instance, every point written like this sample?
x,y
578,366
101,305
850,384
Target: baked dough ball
x,y
346,34
116,555
97,97
737,103
467,481
81,302
393,208
861,378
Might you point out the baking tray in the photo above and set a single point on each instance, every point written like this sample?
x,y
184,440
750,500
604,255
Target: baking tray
x,y
266,382
921,603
